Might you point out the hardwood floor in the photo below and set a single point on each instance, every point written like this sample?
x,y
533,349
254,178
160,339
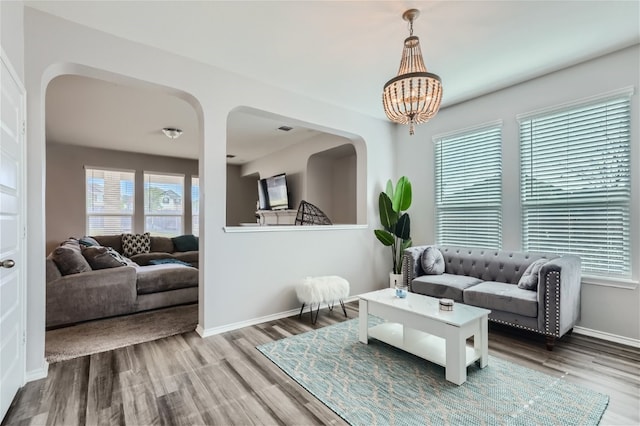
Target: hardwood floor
x,y
224,380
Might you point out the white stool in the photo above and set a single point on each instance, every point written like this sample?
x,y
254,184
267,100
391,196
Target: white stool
x,y
328,289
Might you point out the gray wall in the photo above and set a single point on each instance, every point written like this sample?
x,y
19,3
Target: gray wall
x,y
65,190
609,307
242,194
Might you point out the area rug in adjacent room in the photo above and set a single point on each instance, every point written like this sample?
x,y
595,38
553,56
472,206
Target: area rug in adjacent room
x,y
377,384
113,333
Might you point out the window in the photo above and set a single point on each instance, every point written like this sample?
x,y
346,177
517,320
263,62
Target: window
x,y
575,183
110,201
163,204
468,169
195,206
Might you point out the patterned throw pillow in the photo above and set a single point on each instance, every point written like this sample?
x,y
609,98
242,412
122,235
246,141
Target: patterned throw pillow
x,y
432,261
136,243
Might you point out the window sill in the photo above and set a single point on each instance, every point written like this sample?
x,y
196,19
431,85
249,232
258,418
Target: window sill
x,y
289,228
627,284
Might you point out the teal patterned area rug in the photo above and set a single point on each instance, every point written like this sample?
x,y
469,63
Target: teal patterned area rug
x,y
377,384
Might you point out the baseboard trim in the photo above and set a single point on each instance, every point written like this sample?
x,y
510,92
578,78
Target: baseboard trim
x,y
607,336
40,373
254,321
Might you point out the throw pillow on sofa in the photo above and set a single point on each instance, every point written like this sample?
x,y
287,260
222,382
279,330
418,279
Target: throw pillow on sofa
x,y
69,259
136,243
88,242
185,243
100,258
529,279
432,261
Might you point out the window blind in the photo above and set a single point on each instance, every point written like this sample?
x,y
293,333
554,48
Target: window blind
x,y
195,206
163,204
110,201
468,178
576,186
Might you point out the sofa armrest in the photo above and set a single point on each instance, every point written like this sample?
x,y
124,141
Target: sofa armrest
x,y
89,295
559,295
411,266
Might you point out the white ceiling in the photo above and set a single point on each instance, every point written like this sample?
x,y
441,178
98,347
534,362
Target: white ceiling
x,y
342,52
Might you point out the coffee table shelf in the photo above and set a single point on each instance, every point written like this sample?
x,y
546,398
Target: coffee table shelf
x,y
425,345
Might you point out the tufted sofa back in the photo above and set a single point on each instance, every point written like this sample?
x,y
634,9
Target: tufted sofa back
x,y
487,264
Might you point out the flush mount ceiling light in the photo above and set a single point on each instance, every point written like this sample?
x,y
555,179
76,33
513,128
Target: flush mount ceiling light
x,y
414,95
172,132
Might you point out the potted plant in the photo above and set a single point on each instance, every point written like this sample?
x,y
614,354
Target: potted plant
x,y
393,204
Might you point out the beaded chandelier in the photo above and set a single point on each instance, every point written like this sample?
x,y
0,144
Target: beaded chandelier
x,y
414,95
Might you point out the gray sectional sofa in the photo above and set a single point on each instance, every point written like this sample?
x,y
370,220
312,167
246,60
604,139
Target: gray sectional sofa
x,y
548,304
82,287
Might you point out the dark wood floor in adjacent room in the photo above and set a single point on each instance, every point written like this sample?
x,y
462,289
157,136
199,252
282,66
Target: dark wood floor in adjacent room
x,y
224,380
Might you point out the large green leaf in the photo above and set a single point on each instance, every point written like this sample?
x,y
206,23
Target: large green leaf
x,y
403,227
384,237
402,195
389,189
388,217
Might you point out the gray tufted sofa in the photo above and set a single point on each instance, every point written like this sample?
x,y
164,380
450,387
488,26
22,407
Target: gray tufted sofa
x,y
488,279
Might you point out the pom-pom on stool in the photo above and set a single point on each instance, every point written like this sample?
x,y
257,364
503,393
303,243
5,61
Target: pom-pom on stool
x,y
328,289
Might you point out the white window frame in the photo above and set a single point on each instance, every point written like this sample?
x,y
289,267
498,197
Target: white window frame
x,y
112,214
608,257
195,217
454,223
173,214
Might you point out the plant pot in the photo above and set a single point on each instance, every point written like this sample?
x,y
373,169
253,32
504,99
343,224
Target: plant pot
x,y
395,280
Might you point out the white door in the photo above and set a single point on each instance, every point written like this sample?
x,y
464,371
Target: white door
x,y
12,234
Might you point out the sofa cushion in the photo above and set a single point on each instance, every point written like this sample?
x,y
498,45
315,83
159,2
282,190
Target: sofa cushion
x,y
99,257
187,256
529,280
69,259
185,243
156,278
114,241
503,297
432,261
168,260
136,243
446,285
162,244
88,242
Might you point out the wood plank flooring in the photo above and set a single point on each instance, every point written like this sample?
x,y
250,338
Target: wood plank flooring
x,y
224,380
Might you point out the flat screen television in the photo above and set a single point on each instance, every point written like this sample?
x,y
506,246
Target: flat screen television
x,y
273,193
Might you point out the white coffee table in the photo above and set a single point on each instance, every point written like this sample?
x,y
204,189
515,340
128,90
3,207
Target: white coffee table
x,y
417,325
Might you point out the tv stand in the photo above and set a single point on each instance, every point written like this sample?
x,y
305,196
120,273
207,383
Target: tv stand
x,y
277,217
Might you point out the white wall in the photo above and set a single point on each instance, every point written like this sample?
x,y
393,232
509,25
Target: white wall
x,y
12,34
607,308
248,275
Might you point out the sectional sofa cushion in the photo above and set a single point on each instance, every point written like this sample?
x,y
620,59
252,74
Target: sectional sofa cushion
x,y
432,261
503,297
446,285
100,258
158,278
185,242
529,279
69,259
136,243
